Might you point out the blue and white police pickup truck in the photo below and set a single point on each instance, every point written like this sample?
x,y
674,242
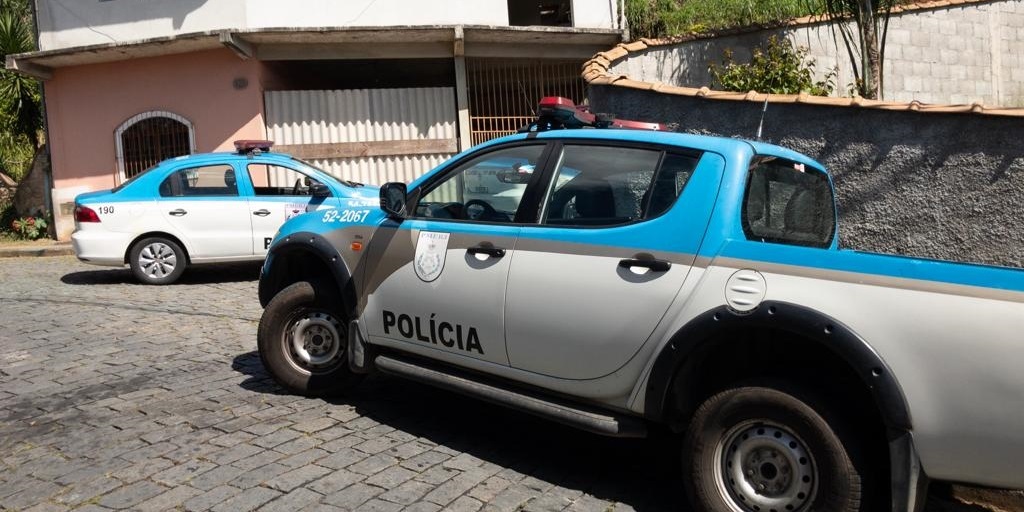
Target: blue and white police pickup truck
x,y
619,279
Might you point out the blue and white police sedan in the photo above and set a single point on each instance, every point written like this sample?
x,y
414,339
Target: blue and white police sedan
x,y
204,208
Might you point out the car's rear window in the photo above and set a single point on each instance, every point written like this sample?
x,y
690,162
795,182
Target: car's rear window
x,y
788,202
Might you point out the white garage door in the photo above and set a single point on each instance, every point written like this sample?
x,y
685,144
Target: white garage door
x,y
367,135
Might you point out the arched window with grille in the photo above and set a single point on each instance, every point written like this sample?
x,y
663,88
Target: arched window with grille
x,y
148,138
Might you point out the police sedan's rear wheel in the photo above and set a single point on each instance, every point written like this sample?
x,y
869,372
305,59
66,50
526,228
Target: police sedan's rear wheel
x,y
157,260
303,340
768,449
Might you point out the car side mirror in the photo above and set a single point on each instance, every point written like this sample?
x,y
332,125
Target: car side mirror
x,y
317,189
392,200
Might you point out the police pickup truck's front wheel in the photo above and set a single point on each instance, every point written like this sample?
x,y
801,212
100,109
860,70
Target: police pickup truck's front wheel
x,y
303,340
768,449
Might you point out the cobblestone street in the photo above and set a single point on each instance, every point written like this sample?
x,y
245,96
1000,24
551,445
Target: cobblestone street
x,y
115,395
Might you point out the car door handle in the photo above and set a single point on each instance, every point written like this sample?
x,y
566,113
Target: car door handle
x,y
262,213
655,265
490,250
177,213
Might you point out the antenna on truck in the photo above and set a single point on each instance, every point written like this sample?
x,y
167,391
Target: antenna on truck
x,y
760,124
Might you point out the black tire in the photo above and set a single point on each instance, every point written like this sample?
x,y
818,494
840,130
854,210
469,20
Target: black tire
x,y
303,340
157,260
781,438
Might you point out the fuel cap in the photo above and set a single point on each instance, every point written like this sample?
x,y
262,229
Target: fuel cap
x,y
745,290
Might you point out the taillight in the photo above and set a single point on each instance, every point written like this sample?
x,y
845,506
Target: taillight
x,y
85,214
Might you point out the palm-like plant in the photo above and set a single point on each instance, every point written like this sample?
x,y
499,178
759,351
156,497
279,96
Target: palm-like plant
x,y
866,47
21,110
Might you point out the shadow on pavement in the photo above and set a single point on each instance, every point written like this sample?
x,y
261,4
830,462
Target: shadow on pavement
x,y
199,274
642,473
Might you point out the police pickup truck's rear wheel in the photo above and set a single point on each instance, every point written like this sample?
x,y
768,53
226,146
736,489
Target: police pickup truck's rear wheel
x,y
765,449
303,340
157,260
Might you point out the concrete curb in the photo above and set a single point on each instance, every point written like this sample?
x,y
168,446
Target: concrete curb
x,y
23,251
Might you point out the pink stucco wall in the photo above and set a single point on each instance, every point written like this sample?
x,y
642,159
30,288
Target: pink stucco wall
x,y
86,104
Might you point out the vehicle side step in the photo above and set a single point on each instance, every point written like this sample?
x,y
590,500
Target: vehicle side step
x,y
572,415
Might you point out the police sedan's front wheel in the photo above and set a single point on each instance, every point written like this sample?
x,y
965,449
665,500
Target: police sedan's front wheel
x,y
303,340
771,448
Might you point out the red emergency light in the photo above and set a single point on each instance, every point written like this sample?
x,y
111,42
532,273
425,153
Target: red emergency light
x,y
251,146
556,112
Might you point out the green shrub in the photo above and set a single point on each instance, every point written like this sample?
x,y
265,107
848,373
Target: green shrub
x,y
29,228
778,68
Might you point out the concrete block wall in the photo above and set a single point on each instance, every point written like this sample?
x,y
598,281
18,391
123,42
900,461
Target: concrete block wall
x,y
947,186
954,54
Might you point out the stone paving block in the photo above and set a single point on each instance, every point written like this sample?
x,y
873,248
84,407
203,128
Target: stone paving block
x,y
422,507
250,499
294,500
554,501
261,458
315,425
183,473
376,505
211,498
36,492
391,477
342,459
47,507
465,504
259,475
407,493
131,495
514,498
80,493
233,454
286,482
408,450
277,438
488,489
373,464
264,428
297,445
232,439
216,477
588,503
169,500
425,460
436,475
457,486
141,470
377,444
335,481
353,496
301,459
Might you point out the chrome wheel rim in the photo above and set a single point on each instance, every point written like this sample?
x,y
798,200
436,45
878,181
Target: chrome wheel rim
x,y
157,260
764,467
314,342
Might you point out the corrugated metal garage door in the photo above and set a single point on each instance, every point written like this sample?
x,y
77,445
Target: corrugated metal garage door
x,y
366,135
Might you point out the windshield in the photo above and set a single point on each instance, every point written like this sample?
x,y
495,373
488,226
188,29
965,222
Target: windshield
x,y
347,183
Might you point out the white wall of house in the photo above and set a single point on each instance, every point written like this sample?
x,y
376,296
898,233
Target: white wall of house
x,y
73,23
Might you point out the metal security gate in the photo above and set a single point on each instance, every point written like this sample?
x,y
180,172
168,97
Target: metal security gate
x,y
366,135
503,93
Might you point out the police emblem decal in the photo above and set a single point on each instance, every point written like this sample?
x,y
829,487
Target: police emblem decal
x,y
431,249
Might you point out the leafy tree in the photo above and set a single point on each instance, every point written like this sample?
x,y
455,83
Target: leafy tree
x,y
777,68
21,108
866,48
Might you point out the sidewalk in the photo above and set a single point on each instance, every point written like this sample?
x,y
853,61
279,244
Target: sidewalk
x,y
37,248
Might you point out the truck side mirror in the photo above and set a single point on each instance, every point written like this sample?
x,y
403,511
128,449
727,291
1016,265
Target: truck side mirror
x,y
392,200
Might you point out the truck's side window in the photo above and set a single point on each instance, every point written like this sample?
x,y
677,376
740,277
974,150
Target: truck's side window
x,y
608,186
789,203
488,188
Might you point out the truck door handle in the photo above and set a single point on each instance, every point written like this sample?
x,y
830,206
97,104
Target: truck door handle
x,y
177,213
490,250
262,213
655,265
